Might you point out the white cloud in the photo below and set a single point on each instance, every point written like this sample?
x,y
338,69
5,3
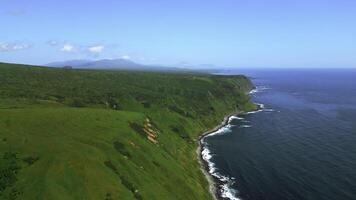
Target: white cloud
x,y
68,48
6,47
96,49
126,57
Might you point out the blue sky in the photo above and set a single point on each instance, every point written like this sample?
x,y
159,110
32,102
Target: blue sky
x,y
234,33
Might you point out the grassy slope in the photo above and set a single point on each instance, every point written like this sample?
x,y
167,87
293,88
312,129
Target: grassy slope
x,y
70,134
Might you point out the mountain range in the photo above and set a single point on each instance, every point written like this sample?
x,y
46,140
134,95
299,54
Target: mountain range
x,y
125,64
104,63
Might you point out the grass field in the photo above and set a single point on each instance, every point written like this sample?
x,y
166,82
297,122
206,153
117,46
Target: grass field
x,y
86,134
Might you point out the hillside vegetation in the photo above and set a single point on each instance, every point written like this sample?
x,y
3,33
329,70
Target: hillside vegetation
x,y
86,134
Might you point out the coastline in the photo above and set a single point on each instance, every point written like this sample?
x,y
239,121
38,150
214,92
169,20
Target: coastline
x,y
204,165
213,182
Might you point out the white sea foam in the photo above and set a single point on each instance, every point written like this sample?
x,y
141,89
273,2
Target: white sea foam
x,y
225,188
228,192
253,91
261,108
260,105
206,155
259,89
252,112
222,130
268,110
234,118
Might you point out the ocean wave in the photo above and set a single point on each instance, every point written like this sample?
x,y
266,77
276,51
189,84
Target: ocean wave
x,y
253,91
235,117
227,191
206,155
225,188
269,110
222,130
252,112
232,118
261,105
259,89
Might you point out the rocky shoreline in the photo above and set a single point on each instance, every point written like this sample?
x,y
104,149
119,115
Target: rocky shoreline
x,y
213,182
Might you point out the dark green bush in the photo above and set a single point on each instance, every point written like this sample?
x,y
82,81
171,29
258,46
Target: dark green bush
x,y
9,168
120,147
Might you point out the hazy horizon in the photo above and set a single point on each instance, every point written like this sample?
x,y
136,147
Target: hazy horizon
x,y
273,34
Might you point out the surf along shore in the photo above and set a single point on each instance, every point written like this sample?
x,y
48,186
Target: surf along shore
x,y
213,181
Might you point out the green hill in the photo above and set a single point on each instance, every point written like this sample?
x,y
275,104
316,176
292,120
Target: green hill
x,y
86,134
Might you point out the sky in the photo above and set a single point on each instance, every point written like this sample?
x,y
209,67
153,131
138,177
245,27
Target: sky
x,y
228,33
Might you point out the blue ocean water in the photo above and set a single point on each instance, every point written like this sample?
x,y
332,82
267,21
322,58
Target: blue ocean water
x,y
301,146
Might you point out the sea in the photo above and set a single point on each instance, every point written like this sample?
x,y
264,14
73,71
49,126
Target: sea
x,y
300,146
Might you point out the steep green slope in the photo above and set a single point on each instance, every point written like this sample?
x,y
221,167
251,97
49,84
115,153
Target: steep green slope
x,y
85,134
